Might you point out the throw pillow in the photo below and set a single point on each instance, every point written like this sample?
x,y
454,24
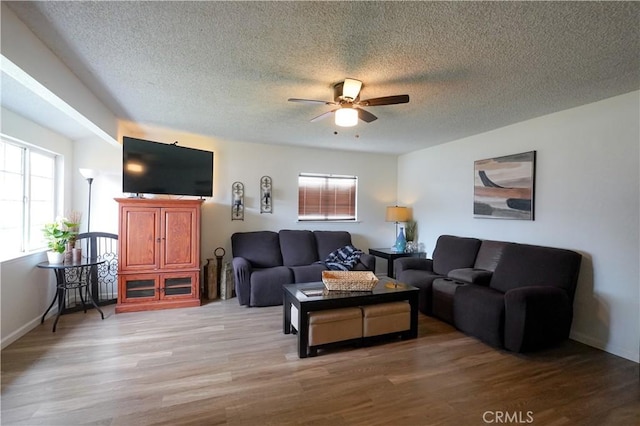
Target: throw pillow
x,y
343,259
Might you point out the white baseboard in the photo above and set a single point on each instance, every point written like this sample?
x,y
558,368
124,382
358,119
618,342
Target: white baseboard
x,y
598,344
25,329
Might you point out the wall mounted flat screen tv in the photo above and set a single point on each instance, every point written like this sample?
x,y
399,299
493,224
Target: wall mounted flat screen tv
x,y
157,168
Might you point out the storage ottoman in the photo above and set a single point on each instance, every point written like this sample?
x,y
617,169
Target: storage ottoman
x,y
385,318
334,325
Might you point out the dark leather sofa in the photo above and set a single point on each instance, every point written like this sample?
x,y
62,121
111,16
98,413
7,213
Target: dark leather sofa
x,y
509,295
263,261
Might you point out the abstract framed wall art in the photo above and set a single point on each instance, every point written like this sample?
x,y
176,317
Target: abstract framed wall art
x,y
503,187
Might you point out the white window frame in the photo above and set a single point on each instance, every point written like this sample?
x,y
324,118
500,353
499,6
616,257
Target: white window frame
x,y
28,242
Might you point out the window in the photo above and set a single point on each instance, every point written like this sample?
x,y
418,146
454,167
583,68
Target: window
x,y
327,197
27,196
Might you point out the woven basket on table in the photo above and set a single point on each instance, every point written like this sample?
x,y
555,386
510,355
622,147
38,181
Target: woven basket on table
x,y
349,280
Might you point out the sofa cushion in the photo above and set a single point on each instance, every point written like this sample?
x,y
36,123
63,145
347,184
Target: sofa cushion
x,y
308,273
470,275
298,247
489,255
454,253
479,312
328,241
260,248
526,265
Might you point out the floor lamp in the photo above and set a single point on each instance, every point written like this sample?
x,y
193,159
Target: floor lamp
x,y
397,214
88,174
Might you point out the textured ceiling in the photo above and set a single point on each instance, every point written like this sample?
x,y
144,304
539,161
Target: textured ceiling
x,y
226,69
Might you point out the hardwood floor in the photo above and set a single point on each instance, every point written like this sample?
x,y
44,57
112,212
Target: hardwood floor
x,y
226,364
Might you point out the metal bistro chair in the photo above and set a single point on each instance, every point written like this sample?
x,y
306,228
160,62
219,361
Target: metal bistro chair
x,y
104,277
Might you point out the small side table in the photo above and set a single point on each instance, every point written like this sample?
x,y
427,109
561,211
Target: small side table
x,y
391,255
70,276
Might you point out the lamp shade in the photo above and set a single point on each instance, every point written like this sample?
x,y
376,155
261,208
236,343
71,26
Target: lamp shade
x,y
346,117
87,173
397,214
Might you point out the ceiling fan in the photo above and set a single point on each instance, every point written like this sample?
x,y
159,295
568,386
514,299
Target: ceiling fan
x,y
346,95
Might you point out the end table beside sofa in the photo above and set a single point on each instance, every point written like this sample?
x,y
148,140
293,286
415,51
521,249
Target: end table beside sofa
x,y
391,255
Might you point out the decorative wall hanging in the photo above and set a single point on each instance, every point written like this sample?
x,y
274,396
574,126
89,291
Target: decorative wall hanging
x,y
266,199
503,187
237,202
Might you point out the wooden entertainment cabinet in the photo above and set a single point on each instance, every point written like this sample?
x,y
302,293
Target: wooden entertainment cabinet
x,y
159,254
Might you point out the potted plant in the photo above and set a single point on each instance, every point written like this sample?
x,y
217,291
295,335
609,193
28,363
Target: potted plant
x,y
58,234
72,222
411,230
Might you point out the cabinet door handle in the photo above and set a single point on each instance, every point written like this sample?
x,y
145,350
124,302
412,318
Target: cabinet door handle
x,y
158,240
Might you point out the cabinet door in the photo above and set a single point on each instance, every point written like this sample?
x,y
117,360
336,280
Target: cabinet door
x,y
179,238
178,285
139,288
140,236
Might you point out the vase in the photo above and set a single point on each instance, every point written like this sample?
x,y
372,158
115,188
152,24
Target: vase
x,y
54,257
68,254
76,255
401,242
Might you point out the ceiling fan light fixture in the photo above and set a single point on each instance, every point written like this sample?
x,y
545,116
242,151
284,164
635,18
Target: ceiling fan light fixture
x,y
351,88
346,117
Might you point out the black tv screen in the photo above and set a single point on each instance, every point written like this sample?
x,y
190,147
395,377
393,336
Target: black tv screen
x,y
157,168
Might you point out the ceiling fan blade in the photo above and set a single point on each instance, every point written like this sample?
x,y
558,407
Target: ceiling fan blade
x,y
351,88
324,115
366,116
311,101
385,100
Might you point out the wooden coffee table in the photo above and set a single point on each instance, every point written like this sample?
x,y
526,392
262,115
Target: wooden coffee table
x,y
310,297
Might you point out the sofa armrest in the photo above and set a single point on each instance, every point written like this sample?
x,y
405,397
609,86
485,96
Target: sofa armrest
x,y
471,276
404,263
368,261
242,270
536,317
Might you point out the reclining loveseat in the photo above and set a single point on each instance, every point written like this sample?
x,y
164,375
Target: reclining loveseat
x,y
509,295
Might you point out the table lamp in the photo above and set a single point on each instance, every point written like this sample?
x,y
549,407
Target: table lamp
x,y
397,214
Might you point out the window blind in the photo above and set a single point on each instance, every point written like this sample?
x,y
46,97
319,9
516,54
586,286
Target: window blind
x,y
327,197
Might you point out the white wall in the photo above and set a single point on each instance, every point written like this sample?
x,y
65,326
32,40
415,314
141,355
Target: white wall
x,y
106,161
248,162
26,291
25,50
587,198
